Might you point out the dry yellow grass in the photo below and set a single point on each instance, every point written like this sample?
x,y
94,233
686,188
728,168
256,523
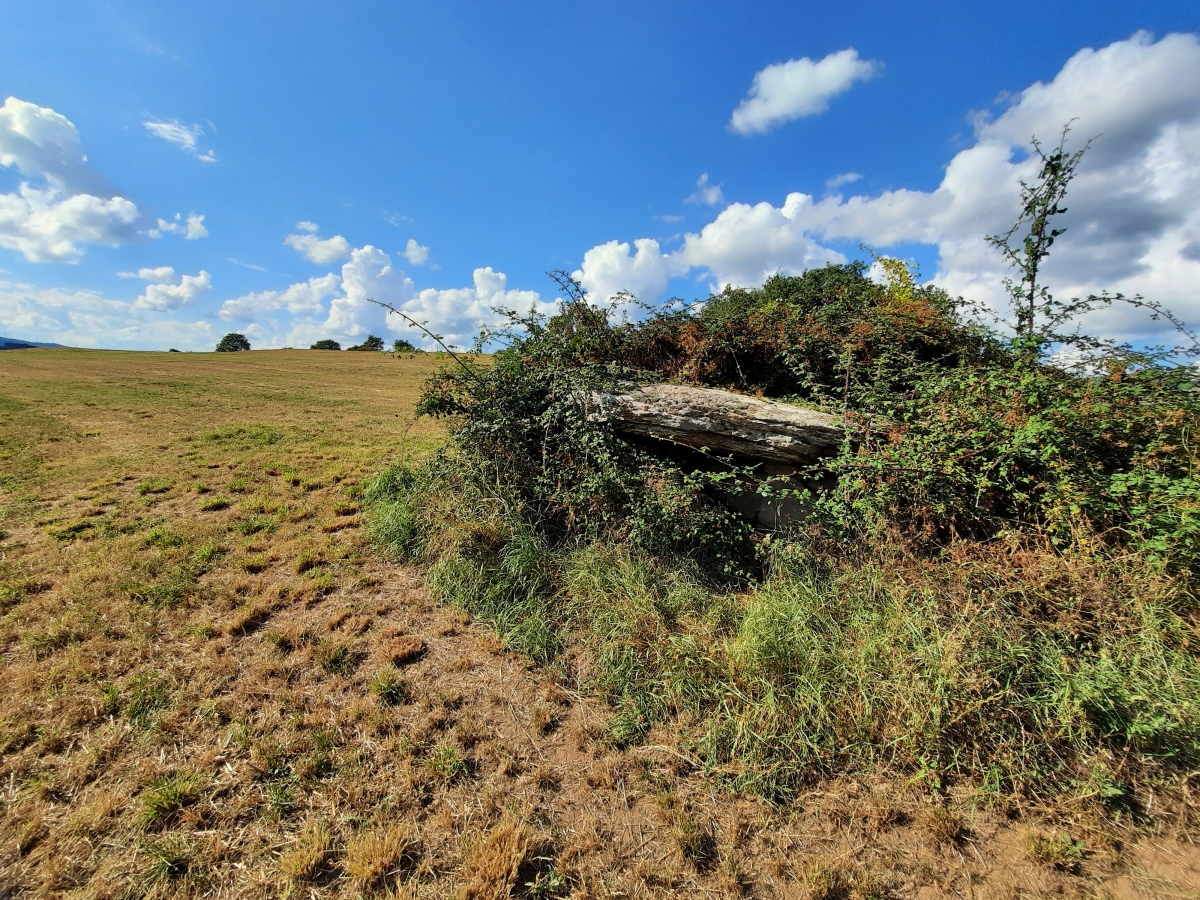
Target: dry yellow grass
x,y
199,651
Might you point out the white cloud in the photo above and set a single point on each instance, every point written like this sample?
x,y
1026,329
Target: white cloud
x,y
185,137
246,265
610,268
41,143
310,227
304,298
705,193
76,206
458,313
192,228
844,178
746,244
46,226
335,305
1134,206
87,319
416,254
455,313
797,88
321,252
158,274
669,218
165,297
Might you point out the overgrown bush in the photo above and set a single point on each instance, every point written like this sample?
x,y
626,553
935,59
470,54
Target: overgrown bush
x,y
995,579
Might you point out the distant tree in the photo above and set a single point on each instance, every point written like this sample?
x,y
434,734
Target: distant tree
x,y
371,343
172,350
401,346
326,344
232,343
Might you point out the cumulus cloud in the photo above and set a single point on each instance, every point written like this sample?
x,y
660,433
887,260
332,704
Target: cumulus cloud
x,y
87,319
611,268
165,297
335,305
458,313
1134,207
310,227
46,226
192,228
416,254
185,137
74,206
797,88
158,274
317,250
338,305
304,298
705,193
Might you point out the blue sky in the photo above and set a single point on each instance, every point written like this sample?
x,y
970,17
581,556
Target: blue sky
x,y
265,167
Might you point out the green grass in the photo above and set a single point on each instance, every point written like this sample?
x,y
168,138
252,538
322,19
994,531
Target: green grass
x,y
165,798
391,688
1014,677
146,694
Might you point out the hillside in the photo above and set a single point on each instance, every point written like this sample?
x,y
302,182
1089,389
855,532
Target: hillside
x,y
18,344
217,686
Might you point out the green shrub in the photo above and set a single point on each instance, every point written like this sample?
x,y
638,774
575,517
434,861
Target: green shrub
x,y
994,581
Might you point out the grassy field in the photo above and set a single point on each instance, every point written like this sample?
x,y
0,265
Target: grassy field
x,y
216,686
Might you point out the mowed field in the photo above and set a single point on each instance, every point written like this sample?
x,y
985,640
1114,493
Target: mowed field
x,y
214,686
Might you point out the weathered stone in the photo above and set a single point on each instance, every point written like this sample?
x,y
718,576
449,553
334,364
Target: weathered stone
x,y
723,422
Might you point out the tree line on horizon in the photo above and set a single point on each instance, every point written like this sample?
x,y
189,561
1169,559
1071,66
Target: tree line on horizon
x,y
235,342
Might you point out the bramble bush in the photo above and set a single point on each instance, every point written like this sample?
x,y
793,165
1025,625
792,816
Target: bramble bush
x,y
995,579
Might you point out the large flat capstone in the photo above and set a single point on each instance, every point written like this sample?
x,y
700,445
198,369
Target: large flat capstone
x,y
722,422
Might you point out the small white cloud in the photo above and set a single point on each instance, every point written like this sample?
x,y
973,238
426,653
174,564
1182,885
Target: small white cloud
x,y
310,227
798,88
669,218
185,137
832,184
163,297
158,274
192,228
316,250
706,194
415,253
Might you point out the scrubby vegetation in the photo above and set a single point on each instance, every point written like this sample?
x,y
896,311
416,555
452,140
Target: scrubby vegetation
x,y
373,343
993,585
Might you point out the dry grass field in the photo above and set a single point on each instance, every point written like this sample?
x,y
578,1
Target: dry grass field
x,y
213,686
